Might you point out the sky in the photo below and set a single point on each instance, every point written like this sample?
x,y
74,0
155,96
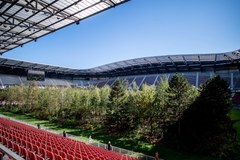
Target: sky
x,y
139,28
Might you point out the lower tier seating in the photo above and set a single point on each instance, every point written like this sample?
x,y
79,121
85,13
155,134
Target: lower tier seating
x,y
36,144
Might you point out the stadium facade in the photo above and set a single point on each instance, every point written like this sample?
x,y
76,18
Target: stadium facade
x,y
197,68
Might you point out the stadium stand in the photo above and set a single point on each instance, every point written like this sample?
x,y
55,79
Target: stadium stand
x,y
149,80
36,144
191,78
9,80
196,68
203,77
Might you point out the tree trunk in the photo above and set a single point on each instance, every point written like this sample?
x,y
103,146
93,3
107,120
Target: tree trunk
x,y
156,152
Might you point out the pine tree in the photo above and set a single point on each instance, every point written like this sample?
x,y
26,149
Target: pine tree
x,y
207,127
117,116
180,95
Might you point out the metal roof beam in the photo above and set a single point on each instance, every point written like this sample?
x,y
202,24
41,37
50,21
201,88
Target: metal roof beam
x,y
13,22
7,43
37,5
109,2
12,4
2,4
236,53
27,18
149,62
3,61
21,35
199,60
229,58
19,64
62,14
185,61
172,61
57,11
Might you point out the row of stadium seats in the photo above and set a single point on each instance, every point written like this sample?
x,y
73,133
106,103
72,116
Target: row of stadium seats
x,y
35,144
8,80
151,80
192,78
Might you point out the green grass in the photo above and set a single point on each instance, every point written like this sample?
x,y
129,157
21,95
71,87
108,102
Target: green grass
x,y
133,144
235,116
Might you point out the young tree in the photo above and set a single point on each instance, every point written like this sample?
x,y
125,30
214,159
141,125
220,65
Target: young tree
x,y
41,110
31,97
180,95
117,114
104,97
155,117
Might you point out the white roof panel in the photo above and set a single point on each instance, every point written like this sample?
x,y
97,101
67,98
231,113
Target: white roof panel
x,y
36,18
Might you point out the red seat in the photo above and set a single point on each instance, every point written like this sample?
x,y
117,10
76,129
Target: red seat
x,y
4,140
43,152
29,146
32,155
40,158
70,157
63,155
55,151
24,143
50,155
24,152
35,148
10,144
57,157
16,148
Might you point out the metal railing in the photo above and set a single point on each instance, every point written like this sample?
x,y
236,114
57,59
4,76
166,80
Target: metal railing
x,y
9,153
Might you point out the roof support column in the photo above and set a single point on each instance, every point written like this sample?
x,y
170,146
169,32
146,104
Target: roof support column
x,y
197,76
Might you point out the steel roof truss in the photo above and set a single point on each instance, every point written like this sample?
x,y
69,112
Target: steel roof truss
x,y
228,57
27,24
172,61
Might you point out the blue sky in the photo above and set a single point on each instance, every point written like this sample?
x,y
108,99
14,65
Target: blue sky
x,y
140,28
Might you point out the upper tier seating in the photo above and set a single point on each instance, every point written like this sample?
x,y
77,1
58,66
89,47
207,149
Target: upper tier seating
x,y
36,144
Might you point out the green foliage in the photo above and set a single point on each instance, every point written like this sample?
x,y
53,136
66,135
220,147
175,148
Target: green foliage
x,y
117,115
235,117
153,112
206,126
145,113
180,95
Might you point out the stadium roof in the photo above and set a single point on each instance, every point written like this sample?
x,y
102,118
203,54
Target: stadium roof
x,y
147,65
22,21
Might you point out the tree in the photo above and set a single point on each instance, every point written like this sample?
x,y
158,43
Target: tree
x,y
31,97
180,95
104,97
156,115
43,99
207,127
117,115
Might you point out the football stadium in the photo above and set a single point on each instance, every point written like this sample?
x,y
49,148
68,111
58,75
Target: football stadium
x,y
82,101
